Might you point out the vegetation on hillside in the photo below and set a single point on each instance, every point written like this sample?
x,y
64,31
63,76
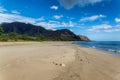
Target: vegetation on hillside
x,y
1,30
12,36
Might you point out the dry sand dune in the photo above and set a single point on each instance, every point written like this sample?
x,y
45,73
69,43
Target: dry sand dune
x,y
55,61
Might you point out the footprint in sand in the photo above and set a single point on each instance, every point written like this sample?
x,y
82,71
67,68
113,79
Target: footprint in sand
x,y
61,64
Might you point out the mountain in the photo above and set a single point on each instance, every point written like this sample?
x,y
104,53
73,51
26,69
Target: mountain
x,y
33,30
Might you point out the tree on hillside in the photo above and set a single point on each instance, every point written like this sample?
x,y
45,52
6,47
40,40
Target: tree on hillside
x,y
1,30
40,38
4,37
13,36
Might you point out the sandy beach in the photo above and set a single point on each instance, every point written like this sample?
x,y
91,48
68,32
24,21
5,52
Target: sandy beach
x,y
55,61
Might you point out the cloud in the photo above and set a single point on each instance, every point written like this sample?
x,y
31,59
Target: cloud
x,y
71,24
5,17
15,16
2,10
51,24
104,28
57,17
117,20
55,23
87,2
68,24
97,28
15,12
68,4
92,18
54,7
41,19
48,25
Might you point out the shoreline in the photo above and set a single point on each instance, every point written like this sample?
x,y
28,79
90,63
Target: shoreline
x,y
56,61
109,51
92,64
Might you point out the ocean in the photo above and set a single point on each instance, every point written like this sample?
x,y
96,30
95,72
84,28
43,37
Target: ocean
x,y
111,47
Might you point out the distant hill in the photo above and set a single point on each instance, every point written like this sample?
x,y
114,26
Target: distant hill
x,y
33,30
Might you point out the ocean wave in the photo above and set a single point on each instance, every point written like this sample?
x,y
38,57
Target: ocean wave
x,y
111,50
116,51
107,46
93,47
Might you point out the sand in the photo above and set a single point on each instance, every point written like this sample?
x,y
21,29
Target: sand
x,y
55,61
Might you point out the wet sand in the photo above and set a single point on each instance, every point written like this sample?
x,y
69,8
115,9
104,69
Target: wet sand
x,y
55,61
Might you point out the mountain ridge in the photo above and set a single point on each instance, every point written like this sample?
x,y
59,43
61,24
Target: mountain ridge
x,y
33,30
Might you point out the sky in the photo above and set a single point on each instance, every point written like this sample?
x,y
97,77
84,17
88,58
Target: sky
x,y
97,19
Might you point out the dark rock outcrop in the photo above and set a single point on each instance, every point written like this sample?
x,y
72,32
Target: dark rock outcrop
x,y
32,30
83,38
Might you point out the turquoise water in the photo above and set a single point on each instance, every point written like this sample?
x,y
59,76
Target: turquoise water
x,y
112,47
